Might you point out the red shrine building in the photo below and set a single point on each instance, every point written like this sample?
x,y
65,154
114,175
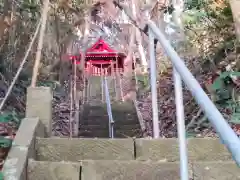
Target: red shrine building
x,y
101,59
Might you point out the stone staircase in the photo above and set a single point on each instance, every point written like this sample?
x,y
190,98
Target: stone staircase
x,y
128,159
94,121
35,155
94,91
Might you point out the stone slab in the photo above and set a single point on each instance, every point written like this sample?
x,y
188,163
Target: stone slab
x,y
58,149
217,170
152,170
207,149
39,104
16,163
26,134
203,149
157,149
129,170
42,170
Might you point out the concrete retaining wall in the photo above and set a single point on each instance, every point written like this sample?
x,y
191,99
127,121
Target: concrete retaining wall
x,y
23,147
39,104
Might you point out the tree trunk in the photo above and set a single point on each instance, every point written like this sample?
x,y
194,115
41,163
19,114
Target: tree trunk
x,y
235,6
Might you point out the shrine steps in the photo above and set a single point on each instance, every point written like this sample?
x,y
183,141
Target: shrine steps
x,y
36,157
128,159
94,121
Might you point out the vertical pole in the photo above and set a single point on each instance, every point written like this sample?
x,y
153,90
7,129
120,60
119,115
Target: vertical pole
x,y
76,103
71,110
117,79
153,85
135,73
84,82
181,125
109,109
178,8
102,74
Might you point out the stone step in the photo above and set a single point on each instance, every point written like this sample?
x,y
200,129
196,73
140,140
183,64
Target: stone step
x,y
64,149
104,133
116,106
104,126
90,134
58,149
129,170
117,134
103,123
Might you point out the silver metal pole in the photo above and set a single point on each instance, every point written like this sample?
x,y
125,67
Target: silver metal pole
x,y
221,126
153,85
181,125
102,85
178,9
109,109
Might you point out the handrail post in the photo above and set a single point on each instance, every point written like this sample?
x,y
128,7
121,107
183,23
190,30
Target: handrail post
x,y
178,9
102,84
109,109
153,85
181,125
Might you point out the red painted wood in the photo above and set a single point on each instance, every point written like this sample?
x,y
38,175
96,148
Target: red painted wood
x,y
100,46
99,58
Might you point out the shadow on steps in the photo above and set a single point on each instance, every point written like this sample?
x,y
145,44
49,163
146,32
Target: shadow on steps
x,y
94,121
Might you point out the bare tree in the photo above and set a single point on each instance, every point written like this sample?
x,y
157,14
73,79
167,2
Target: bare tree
x,y
235,6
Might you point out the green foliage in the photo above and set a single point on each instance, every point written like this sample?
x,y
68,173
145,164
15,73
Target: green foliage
x,y
31,7
5,142
225,95
52,84
1,176
190,134
194,4
143,80
10,117
223,80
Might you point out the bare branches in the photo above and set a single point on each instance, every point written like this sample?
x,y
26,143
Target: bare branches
x,y
20,67
40,43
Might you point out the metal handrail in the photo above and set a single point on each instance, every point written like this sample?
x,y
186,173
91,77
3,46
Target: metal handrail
x,y
109,108
226,133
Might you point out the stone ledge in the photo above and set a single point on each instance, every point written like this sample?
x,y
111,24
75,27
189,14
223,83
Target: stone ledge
x,y
22,148
219,170
16,163
26,134
130,170
146,170
41,170
58,149
199,149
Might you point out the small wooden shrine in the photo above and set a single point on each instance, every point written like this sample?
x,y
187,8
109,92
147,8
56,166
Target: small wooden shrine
x,y
101,59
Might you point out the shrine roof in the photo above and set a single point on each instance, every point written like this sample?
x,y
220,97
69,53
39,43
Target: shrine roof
x,y
113,40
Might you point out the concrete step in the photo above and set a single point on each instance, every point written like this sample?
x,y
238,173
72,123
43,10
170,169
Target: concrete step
x,y
104,121
104,133
129,170
94,121
116,106
104,126
64,149
58,149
